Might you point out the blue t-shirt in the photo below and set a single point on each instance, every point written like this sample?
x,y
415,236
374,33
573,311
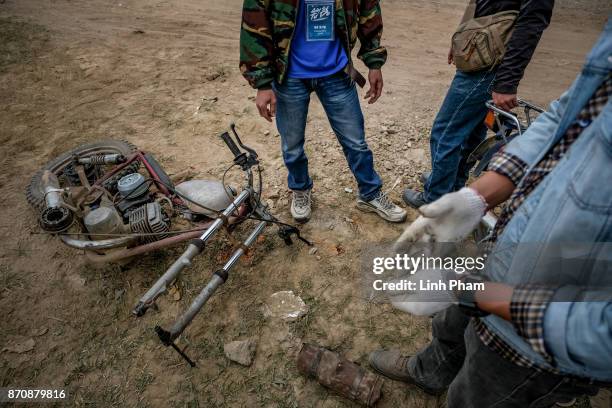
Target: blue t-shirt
x,y
316,51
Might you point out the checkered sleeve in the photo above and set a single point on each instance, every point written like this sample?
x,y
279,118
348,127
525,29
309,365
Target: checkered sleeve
x,y
508,165
527,310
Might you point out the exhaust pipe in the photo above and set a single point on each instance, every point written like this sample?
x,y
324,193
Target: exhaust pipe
x,y
54,218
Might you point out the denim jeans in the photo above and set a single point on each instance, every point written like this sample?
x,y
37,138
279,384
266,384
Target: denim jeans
x,y
339,98
478,377
456,131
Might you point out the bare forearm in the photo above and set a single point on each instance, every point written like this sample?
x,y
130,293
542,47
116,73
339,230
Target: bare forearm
x,y
495,299
494,188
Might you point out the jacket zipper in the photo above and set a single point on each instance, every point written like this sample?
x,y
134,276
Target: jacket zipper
x,y
348,39
297,12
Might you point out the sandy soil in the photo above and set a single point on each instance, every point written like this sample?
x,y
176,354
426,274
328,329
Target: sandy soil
x,y
163,74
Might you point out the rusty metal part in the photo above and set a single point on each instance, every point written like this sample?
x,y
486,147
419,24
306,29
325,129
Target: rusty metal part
x,y
339,374
82,176
143,249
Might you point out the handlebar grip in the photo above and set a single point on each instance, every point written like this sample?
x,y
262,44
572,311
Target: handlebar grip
x,y
230,144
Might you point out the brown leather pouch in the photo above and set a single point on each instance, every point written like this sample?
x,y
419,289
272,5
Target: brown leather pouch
x,y
339,374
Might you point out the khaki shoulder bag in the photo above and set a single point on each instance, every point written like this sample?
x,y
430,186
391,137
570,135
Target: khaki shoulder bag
x,y
480,42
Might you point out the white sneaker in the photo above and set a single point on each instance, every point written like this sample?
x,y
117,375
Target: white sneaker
x,y
384,207
300,205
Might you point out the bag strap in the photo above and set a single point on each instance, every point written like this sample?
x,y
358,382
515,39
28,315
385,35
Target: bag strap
x,y
470,11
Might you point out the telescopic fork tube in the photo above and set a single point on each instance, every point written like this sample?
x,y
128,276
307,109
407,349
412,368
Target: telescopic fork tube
x,y
218,279
194,248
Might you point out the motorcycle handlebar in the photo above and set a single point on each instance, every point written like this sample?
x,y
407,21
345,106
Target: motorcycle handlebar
x,y
230,144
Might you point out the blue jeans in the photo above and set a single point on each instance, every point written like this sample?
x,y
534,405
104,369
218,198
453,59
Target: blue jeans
x,y
456,131
339,98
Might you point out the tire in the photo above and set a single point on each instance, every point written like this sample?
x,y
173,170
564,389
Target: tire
x,y
35,192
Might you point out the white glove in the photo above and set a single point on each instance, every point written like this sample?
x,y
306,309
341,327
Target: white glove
x,y
448,219
425,302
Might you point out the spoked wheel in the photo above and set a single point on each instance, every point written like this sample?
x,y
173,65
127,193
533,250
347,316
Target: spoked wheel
x,y
35,193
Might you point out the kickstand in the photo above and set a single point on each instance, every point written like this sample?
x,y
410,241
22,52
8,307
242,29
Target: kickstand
x,y
286,231
164,336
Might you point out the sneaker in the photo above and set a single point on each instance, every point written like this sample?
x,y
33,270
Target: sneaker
x,y
414,198
424,176
393,365
300,205
384,207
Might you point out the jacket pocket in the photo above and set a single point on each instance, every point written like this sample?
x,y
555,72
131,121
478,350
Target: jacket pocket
x,y
591,184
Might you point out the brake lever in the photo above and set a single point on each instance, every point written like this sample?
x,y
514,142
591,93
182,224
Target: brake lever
x,y
245,147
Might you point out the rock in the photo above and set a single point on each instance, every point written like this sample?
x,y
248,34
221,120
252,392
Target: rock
x,y
348,190
20,345
286,306
241,351
267,133
119,293
313,250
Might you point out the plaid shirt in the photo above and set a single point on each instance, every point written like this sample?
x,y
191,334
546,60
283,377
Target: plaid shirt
x,y
529,302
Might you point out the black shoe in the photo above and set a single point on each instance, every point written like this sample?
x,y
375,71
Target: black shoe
x,y
424,177
414,198
393,365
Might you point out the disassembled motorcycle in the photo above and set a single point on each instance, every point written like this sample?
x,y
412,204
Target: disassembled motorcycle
x,y
97,198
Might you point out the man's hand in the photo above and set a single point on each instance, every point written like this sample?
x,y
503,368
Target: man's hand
x,y
450,56
376,85
506,102
266,103
448,219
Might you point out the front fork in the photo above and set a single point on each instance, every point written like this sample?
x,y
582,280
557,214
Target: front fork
x,y
195,247
219,277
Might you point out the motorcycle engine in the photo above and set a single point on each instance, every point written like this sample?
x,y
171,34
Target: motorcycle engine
x,y
135,211
147,219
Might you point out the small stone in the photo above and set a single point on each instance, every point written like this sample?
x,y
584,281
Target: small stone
x,y
285,306
241,351
20,345
348,190
119,293
313,250
267,133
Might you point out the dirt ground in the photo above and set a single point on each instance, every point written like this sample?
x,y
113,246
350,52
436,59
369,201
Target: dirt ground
x,y
163,74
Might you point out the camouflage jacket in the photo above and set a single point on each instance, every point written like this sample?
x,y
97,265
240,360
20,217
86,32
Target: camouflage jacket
x,y
267,30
